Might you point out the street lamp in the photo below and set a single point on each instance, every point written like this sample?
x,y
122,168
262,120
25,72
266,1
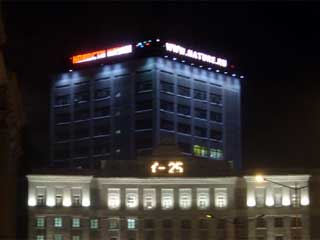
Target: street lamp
x,y
295,188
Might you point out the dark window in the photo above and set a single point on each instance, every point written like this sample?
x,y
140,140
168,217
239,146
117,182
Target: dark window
x,y
215,116
101,111
166,87
144,141
296,222
144,105
185,147
215,98
278,222
101,146
102,93
62,117
81,130
198,94
80,97
81,114
279,238
81,149
167,223
183,109
203,224
62,133
200,132
261,223
215,134
62,100
62,151
143,124
166,124
185,224
184,91
148,223
165,105
101,127
144,86
184,128
221,224
200,113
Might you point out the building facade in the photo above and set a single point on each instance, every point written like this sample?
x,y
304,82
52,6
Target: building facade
x,y
120,103
84,206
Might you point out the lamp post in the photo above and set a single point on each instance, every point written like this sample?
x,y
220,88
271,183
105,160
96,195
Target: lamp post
x,y
295,188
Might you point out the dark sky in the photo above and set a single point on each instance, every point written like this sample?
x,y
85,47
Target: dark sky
x,y
275,45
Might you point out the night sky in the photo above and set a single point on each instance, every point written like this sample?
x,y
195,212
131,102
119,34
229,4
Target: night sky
x,y
275,45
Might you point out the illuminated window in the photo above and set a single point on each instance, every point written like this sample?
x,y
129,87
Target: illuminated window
x,y
215,116
277,196
200,95
40,237
131,223
75,237
149,198
58,222
94,223
260,197
215,98
220,197
58,237
76,197
132,198
40,222
113,223
167,198
200,151
185,198
216,153
203,199
75,222
114,198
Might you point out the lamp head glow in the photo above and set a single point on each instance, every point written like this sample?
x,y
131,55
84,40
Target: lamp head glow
x,y
32,202
209,215
66,202
259,178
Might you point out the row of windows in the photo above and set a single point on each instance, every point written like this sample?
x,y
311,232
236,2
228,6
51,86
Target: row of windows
x,y
185,91
132,223
82,96
295,222
186,129
186,110
202,151
185,200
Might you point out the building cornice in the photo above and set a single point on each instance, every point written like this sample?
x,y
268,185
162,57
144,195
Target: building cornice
x,y
59,178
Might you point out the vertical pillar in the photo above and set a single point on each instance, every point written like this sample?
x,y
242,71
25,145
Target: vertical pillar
x,y
50,198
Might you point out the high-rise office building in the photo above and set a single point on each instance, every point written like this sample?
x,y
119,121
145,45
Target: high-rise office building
x,y
119,103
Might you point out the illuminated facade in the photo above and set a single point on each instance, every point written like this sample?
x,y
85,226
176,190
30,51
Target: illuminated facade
x,y
119,103
81,207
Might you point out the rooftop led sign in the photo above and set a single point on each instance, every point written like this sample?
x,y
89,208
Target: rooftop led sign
x,y
92,56
170,47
